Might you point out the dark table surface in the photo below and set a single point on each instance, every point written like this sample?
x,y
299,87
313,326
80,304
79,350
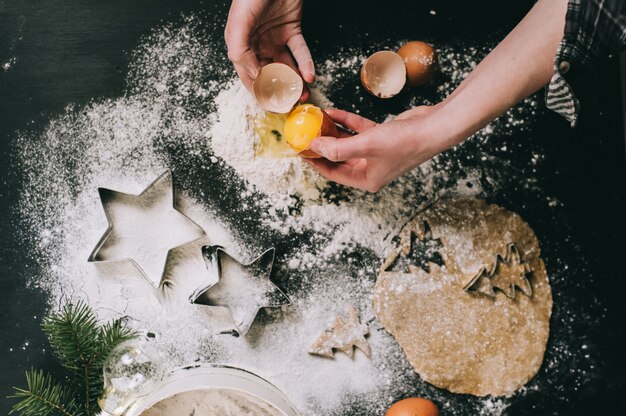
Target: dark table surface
x,y
59,52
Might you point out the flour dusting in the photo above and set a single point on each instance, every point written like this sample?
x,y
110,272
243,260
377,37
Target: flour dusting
x,y
184,111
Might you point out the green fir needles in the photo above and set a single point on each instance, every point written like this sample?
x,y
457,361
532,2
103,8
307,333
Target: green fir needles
x,y
82,345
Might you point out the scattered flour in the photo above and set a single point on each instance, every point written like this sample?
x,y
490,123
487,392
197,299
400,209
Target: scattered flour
x,y
183,111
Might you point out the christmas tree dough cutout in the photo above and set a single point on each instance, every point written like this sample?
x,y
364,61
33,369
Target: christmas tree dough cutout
x,y
506,274
345,334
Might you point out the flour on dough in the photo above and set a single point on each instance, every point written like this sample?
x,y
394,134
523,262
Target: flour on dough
x,y
462,341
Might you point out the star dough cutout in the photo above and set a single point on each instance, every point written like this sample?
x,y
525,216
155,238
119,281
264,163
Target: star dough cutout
x,y
243,289
506,274
345,334
144,228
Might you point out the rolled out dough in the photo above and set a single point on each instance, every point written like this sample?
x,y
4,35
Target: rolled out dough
x,y
467,342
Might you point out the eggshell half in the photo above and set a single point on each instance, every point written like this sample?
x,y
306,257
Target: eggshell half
x,y
383,74
277,88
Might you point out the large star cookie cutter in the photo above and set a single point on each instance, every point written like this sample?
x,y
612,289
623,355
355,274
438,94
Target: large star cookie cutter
x,y
242,288
144,231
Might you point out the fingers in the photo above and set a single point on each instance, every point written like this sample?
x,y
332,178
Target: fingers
x,y
237,35
306,93
247,68
264,61
339,150
353,175
343,133
350,120
298,47
283,55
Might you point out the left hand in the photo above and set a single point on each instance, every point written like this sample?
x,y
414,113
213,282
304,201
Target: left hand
x,y
259,32
378,153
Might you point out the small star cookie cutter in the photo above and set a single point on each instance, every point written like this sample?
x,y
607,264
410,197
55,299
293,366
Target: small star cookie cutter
x,y
159,192
487,280
241,288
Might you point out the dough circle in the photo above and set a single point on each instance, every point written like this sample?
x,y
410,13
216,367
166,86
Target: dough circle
x,y
467,342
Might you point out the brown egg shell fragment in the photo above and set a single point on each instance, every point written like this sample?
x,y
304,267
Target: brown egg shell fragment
x,y
420,59
277,88
383,74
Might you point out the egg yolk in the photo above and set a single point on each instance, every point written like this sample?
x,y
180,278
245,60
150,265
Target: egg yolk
x,y
302,125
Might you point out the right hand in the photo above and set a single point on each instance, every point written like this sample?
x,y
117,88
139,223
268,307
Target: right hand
x,y
259,32
379,153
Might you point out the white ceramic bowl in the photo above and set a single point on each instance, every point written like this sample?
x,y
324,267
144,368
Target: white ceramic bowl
x,y
203,377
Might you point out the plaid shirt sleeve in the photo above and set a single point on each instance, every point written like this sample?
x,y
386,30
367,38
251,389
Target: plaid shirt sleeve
x,y
593,29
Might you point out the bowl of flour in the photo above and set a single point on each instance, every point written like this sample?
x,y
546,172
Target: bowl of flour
x,y
213,390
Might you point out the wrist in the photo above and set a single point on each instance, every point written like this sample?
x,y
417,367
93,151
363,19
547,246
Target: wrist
x,y
438,131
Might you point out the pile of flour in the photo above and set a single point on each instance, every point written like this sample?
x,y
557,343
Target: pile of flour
x,y
220,402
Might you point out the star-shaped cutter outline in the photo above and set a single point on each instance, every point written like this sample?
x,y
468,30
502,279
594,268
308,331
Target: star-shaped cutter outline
x,y
212,256
106,194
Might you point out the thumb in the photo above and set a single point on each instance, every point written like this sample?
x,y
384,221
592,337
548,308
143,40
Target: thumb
x,y
339,150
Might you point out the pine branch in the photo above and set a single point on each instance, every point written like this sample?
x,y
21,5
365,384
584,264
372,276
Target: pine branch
x,y
44,397
73,334
82,346
111,335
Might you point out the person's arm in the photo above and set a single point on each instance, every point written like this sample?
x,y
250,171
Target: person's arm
x,y
520,65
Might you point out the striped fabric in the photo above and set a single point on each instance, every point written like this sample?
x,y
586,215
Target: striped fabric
x,y
560,98
593,29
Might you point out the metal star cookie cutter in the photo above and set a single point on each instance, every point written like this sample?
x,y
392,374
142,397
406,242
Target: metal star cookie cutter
x,y
486,280
160,194
242,288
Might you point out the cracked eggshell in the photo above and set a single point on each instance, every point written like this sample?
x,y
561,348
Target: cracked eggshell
x,y
383,74
277,88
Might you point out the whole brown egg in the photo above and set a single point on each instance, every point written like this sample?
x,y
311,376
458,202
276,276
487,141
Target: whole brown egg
x,y
414,406
421,62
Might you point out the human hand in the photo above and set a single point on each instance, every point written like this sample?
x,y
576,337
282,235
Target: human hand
x,y
259,32
379,153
